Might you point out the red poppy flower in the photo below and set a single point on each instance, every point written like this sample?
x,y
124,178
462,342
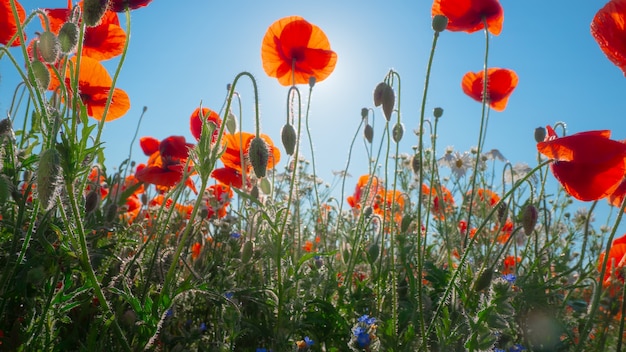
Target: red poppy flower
x,y
238,142
166,165
228,176
467,15
589,165
509,264
500,84
217,198
362,191
121,5
617,260
94,85
617,197
196,248
131,209
102,42
295,50
609,30
442,202
196,122
8,26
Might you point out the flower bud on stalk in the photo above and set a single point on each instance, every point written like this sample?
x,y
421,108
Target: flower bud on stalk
x,y
259,155
529,219
437,112
48,47
368,132
39,75
92,200
483,280
397,132
384,95
540,134
364,113
415,164
68,37
93,11
440,23
288,136
48,177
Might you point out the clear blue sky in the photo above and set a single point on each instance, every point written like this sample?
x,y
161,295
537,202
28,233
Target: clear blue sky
x,y
184,52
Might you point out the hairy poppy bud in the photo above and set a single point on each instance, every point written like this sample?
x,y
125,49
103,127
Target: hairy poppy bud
x,y
91,200
502,212
367,212
258,155
483,280
368,132
364,113
39,75
529,218
415,164
110,212
384,95
288,135
373,252
48,47
440,22
247,251
540,134
68,37
93,10
48,177
437,112
6,128
397,132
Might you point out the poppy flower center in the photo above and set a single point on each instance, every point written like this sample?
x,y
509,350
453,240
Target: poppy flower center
x,y
297,54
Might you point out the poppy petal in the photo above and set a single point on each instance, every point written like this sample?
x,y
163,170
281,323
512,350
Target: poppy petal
x,y
8,26
149,145
588,182
467,15
609,29
228,176
584,147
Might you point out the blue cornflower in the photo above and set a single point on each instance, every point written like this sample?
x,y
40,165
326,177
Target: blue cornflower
x,y
235,235
510,278
228,295
362,337
169,312
517,348
494,350
365,318
308,341
202,327
261,350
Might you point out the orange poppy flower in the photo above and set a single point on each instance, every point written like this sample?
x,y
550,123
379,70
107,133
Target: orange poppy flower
x,y
617,260
94,85
228,176
217,198
442,203
355,201
131,209
196,248
97,180
504,231
467,15
295,50
102,42
509,264
196,122
617,197
165,165
388,204
237,142
500,84
589,165
8,26
121,5
609,30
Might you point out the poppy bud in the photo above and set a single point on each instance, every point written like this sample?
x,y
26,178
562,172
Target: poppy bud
x,y
437,112
367,212
68,37
258,155
48,47
373,252
6,128
502,212
39,75
397,132
483,280
364,112
540,134
231,123
110,212
288,135
48,177
247,251
529,218
92,200
368,132
440,22
93,10
415,164
384,95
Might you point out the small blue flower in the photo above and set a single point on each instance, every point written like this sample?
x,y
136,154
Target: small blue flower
x,y
366,319
228,295
308,341
235,235
510,278
261,350
517,348
202,327
494,350
362,337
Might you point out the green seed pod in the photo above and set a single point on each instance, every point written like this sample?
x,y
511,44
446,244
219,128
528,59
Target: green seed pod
x,y
437,112
364,113
540,134
48,177
247,251
93,10
48,47
288,135
258,155
68,37
39,75
440,22
529,219
368,133
397,132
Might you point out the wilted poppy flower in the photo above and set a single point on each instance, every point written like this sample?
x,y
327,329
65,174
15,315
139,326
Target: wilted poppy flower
x,y
616,261
500,84
609,30
295,50
8,26
121,5
589,165
196,122
101,42
467,15
166,165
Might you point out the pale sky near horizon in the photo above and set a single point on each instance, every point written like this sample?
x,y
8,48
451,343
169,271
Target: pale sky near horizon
x,y
185,52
